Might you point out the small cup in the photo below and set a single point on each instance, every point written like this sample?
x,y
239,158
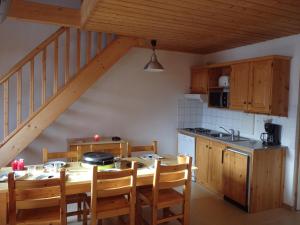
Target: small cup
x,y
117,162
31,170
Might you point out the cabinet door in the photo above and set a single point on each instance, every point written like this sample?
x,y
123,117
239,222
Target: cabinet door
x,y
215,175
260,87
239,82
199,81
202,151
235,176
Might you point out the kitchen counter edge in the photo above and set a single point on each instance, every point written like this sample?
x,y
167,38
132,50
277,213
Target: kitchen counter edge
x,y
241,145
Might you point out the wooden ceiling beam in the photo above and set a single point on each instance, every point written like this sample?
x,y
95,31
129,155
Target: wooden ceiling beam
x,y
44,13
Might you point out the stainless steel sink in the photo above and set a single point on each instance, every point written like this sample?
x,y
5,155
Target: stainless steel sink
x,y
235,139
220,135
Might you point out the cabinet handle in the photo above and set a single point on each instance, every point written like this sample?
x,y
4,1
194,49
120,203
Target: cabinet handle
x,y
206,146
222,160
209,147
249,103
245,102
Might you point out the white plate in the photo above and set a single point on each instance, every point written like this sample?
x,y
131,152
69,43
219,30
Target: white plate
x,y
151,156
55,164
18,175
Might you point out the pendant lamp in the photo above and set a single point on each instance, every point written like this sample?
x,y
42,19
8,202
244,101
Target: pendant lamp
x,y
153,65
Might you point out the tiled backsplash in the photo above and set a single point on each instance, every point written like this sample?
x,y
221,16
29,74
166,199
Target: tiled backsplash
x,y
189,113
214,118
193,113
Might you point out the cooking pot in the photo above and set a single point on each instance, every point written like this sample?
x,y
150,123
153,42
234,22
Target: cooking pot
x,y
103,160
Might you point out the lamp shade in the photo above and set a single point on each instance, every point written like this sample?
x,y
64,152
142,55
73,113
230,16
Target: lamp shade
x,y
153,65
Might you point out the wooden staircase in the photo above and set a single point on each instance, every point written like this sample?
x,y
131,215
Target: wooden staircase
x,y
49,79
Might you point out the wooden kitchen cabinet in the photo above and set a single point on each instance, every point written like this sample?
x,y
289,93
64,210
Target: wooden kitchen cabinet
x,y
261,86
235,176
239,82
269,87
202,159
208,161
215,175
199,80
267,180
252,178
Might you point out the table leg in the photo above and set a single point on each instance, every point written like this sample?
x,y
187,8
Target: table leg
x,y
3,208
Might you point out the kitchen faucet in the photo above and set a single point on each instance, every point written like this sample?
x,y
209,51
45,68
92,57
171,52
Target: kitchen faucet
x,y
230,131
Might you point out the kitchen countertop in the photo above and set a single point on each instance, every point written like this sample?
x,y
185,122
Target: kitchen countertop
x,y
249,145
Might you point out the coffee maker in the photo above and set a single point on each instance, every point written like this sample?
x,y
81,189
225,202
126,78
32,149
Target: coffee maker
x,y
272,134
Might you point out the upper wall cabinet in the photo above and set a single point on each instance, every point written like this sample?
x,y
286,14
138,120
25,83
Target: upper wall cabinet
x,y
199,80
239,82
261,86
258,85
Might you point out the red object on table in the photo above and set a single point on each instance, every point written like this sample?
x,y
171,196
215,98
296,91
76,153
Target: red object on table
x,y
14,165
21,164
96,137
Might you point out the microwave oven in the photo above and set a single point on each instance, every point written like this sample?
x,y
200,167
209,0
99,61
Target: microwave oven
x,y
219,98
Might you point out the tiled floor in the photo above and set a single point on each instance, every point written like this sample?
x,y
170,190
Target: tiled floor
x,y
208,209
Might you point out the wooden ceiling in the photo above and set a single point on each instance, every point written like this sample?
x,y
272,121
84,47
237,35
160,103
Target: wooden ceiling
x,y
200,26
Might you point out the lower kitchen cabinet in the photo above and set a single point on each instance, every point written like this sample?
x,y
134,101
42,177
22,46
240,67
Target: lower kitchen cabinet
x,y
252,178
215,176
235,177
208,161
202,160
266,179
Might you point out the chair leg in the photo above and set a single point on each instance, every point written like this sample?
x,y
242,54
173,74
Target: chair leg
x,y
94,220
138,213
154,216
99,222
79,209
132,215
186,214
85,212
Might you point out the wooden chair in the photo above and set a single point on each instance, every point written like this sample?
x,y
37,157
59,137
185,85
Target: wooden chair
x,y
80,199
69,155
113,194
146,148
117,149
163,196
37,202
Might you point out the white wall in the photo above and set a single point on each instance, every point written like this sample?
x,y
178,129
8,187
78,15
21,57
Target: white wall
x,y
128,102
18,38
252,125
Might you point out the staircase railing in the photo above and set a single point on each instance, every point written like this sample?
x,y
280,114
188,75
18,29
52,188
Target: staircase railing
x,y
24,89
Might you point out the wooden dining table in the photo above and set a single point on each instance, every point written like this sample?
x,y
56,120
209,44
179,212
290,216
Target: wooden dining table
x,y
79,179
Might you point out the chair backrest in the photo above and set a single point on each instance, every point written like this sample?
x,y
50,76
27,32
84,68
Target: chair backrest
x,y
172,176
33,194
142,148
113,183
117,149
69,155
